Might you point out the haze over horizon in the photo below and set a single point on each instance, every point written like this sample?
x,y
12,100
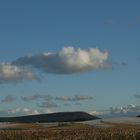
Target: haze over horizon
x,y
63,55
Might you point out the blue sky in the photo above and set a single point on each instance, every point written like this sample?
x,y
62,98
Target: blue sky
x,y
32,28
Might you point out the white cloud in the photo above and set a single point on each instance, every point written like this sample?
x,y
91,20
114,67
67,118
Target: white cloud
x,y
22,112
13,73
25,111
125,110
36,96
68,60
96,113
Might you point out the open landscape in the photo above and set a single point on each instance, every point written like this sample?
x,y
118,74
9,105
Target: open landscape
x,y
74,131
69,69
100,129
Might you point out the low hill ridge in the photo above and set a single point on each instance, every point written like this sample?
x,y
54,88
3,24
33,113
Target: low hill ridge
x,y
52,117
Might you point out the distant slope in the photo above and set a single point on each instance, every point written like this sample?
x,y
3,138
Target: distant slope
x,y
52,117
138,116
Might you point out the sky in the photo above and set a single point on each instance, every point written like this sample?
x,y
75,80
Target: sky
x,y
78,55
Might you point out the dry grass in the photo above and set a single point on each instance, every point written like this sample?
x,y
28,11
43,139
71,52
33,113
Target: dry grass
x,y
71,132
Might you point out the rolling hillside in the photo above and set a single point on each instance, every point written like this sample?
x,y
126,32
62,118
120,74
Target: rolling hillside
x,y
52,117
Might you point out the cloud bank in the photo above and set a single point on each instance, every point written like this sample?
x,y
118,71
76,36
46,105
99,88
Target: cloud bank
x,y
48,101
22,112
13,73
67,61
125,110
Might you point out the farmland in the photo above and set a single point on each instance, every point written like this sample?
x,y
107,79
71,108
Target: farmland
x,y
74,131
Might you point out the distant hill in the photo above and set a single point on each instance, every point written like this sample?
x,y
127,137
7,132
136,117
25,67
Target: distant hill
x,y
52,117
138,116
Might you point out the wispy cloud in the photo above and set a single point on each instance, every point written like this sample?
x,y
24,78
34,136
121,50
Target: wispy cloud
x,y
13,73
75,98
67,104
77,103
69,60
47,104
137,95
63,98
123,63
51,102
82,98
8,99
36,96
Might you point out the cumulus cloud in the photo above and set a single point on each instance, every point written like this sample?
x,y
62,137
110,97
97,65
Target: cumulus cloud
x,y
75,98
125,110
13,73
22,112
8,99
36,96
69,60
97,113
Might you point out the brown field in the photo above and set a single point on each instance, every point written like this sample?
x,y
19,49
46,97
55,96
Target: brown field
x,y
70,132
